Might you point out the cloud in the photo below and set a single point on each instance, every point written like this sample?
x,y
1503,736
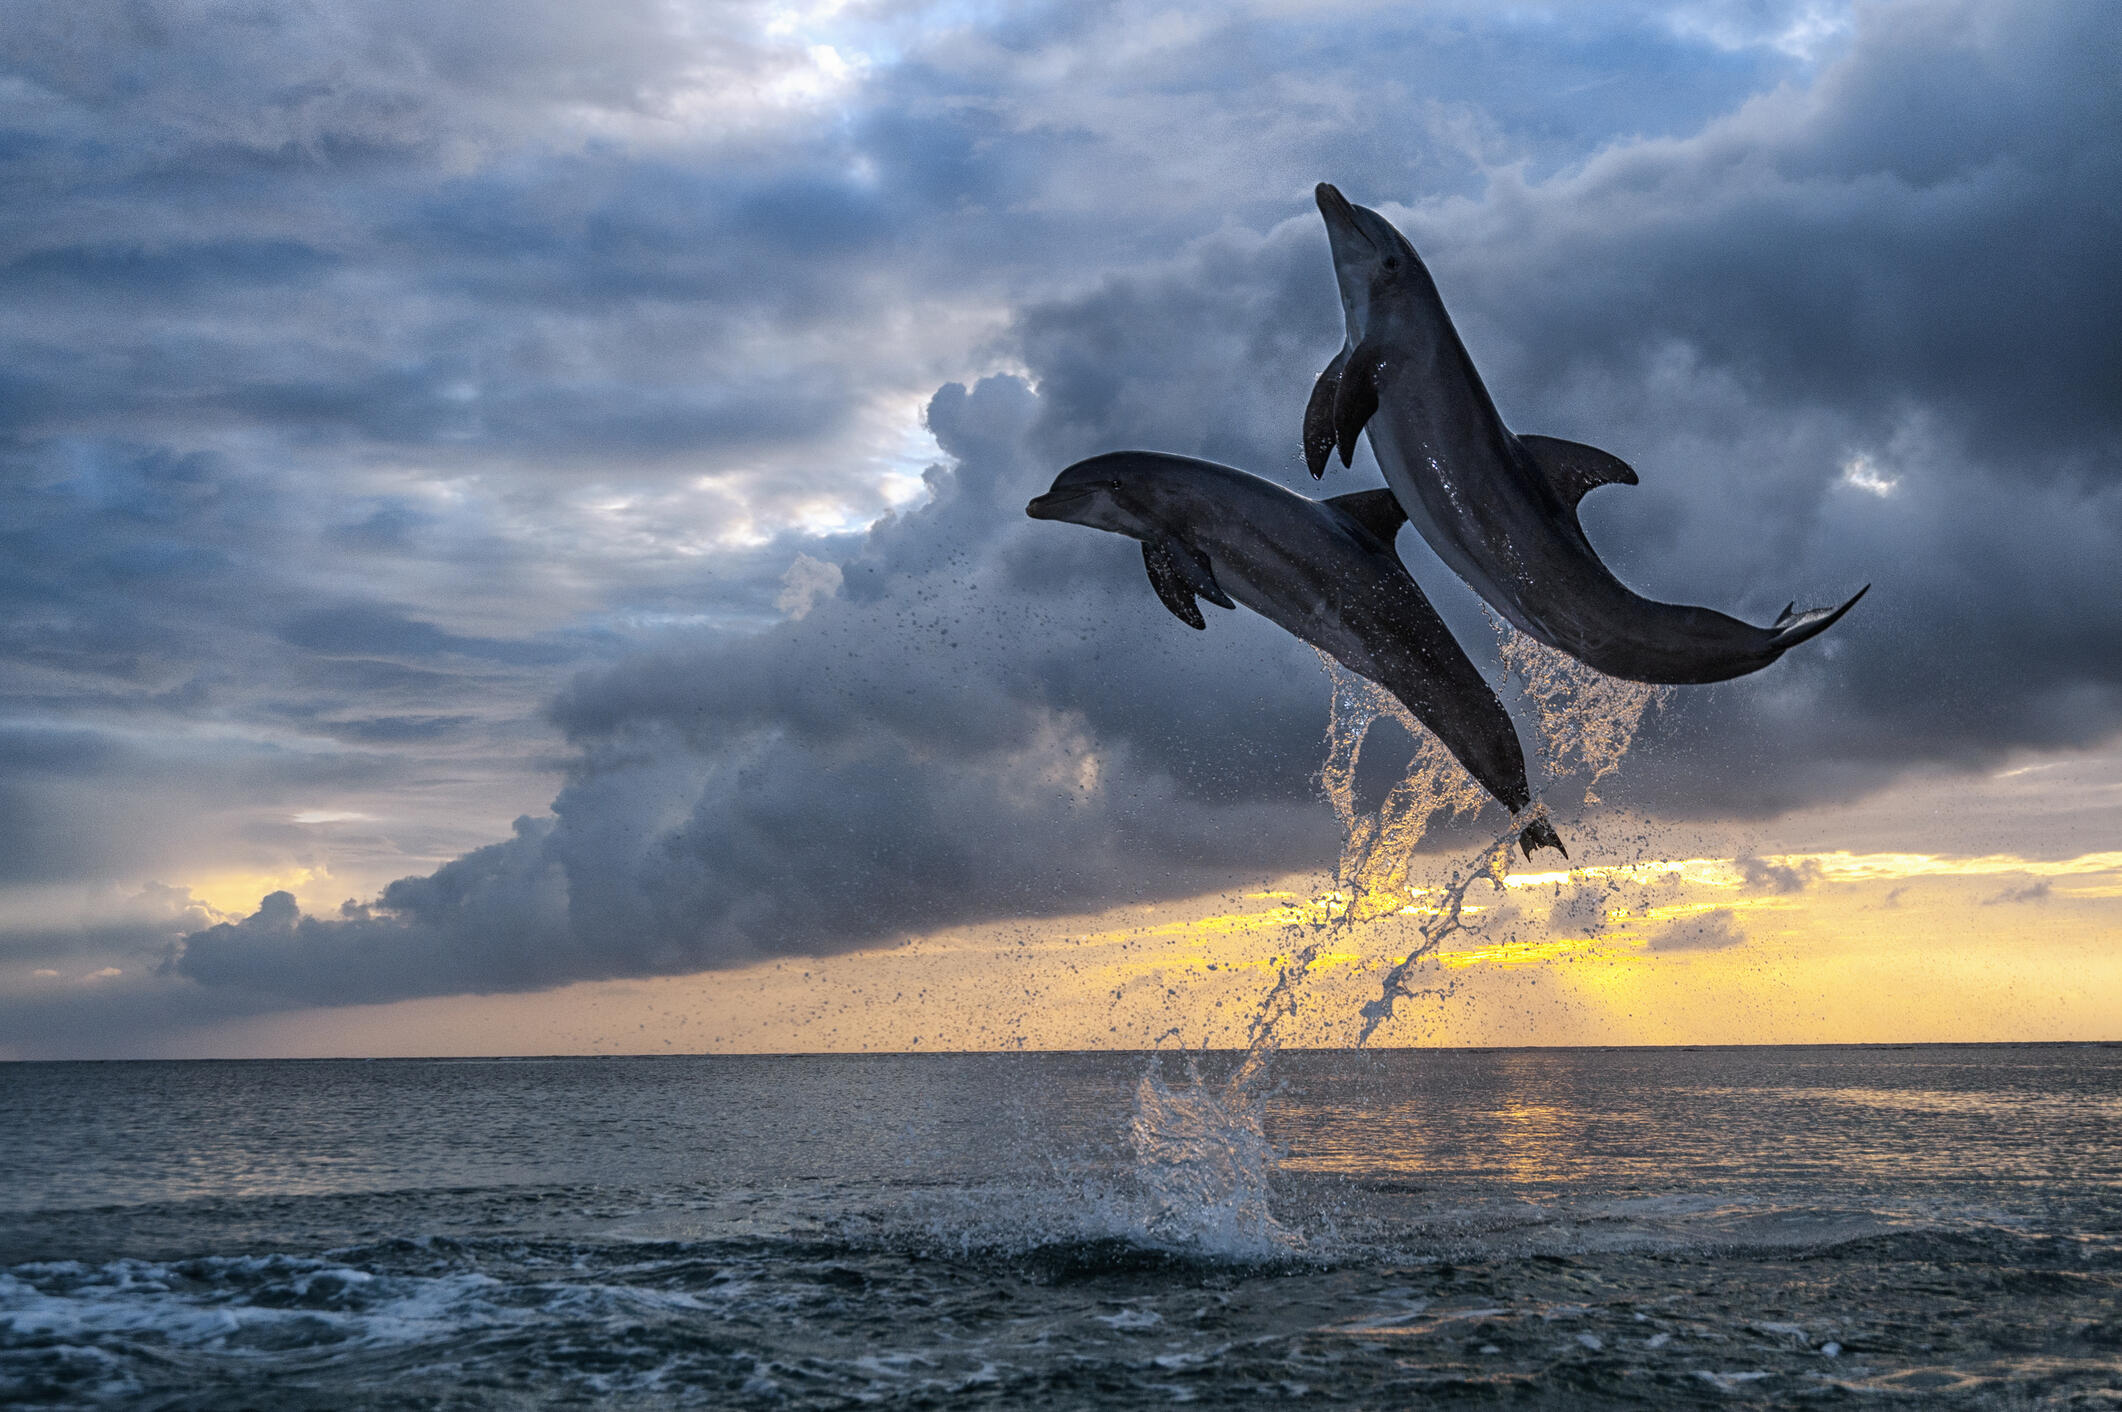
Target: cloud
x,y
1580,910
366,630
983,698
2039,891
1760,875
376,372
807,581
1715,930
938,743
137,930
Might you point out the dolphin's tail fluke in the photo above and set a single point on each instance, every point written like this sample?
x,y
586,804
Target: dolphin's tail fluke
x,y
1539,833
1795,627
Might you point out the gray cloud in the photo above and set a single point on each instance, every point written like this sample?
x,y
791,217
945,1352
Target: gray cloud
x,y
1764,876
1709,931
365,630
2038,891
1580,909
137,932
371,370
941,742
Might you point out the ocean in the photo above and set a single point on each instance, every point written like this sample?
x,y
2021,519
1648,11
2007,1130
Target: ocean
x,y
1928,1226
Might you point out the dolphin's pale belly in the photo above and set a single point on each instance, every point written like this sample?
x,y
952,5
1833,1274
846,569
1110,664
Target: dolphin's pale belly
x,y
1437,508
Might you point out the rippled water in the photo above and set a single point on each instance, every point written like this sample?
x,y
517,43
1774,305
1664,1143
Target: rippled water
x,y
1932,1226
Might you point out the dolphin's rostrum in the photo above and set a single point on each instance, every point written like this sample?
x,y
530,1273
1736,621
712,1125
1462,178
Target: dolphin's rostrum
x,y
1323,569
1500,509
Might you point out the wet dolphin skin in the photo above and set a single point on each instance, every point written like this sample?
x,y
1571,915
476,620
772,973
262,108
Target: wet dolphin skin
x,y
1500,509
1323,569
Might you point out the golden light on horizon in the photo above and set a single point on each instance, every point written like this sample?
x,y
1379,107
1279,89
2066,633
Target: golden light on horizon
x,y
1862,947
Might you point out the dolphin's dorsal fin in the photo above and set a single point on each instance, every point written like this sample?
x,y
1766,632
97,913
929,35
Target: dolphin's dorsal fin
x,y
1377,511
1178,571
1319,435
1573,468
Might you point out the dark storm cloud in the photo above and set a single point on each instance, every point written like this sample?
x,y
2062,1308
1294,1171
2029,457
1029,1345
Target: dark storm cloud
x,y
940,742
993,719
1854,331
336,316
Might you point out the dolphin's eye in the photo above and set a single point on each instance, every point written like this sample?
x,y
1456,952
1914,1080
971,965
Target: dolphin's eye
x,y
1112,485
1392,262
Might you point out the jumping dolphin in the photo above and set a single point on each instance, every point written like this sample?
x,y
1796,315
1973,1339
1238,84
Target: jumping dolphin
x,y
1501,510
1324,569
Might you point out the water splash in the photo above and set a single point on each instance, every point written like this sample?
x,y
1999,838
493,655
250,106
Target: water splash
x,y
1202,1155
1377,848
1446,917
1587,724
1588,721
1202,1161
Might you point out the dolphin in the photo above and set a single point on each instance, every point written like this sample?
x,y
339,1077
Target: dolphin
x,y
1323,569
1499,509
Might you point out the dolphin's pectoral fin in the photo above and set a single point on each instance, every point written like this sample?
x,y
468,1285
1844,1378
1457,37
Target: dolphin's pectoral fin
x,y
1172,591
1180,573
1319,415
1573,469
1355,398
1378,511
1194,567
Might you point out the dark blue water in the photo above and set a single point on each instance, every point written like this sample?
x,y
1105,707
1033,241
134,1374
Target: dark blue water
x,y
1924,1227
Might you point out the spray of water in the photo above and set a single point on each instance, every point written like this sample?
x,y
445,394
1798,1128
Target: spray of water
x,y
1378,848
1588,721
1202,1161
1202,1151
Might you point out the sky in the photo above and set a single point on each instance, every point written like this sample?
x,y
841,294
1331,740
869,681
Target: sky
x,y
512,535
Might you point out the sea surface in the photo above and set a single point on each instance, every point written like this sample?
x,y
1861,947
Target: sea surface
x,y
1910,1227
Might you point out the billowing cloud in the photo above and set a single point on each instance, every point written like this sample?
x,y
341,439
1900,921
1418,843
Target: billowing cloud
x,y
375,376
940,742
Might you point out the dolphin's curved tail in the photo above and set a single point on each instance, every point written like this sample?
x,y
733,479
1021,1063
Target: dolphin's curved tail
x,y
1680,644
1539,833
1794,627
